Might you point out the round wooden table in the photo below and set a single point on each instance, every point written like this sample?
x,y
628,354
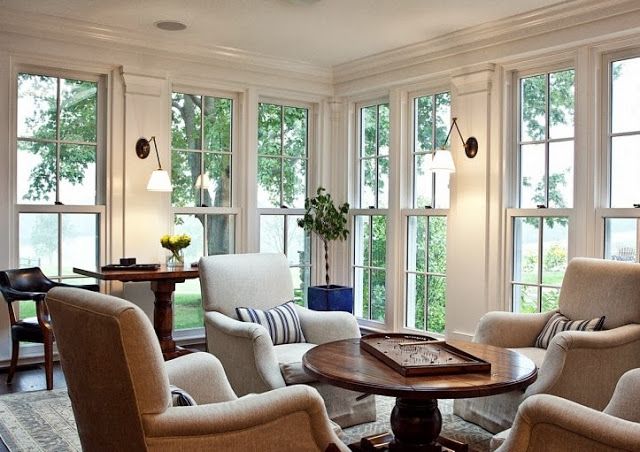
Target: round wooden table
x,y
416,420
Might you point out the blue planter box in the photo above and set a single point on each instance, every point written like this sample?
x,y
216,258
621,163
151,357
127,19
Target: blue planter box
x,y
330,298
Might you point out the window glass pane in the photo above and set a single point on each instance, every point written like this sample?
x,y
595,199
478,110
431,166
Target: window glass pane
x,y
295,182
37,109
437,295
621,238
361,240
368,183
369,132
442,190
561,105
187,305
383,129
416,241
217,124
38,241
550,299
443,120
625,95
379,241
185,168
532,175
295,132
221,237
269,181
298,242
301,279
437,249
80,238
560,174
269,129
383,182
216,187
272,233
423,123
416,301
78,111
525,299
361,292
555,247
423,177
36,178
525,249
625,167
194,226
186,132
77,174
378,295
533,108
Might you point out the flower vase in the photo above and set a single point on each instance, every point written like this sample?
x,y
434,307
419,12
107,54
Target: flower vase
x,y
176,259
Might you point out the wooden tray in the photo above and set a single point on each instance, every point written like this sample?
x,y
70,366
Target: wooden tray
x,y
132,267
413,354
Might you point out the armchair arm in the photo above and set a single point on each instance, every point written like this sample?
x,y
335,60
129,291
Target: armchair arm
x,y
327,326
91,287
246,351
202,376
549,423
11,295
623,403
291,418
573,364
509,329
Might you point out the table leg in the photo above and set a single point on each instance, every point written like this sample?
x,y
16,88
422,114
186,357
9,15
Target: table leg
x,y
416,425
163,319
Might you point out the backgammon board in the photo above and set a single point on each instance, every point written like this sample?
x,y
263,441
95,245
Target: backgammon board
x,y
412,354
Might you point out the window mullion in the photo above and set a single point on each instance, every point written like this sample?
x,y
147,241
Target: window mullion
x,y
282,156
540,261
547,135
58,151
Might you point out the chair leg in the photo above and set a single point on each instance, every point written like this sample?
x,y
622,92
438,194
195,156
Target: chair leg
x,y
15,350
48,360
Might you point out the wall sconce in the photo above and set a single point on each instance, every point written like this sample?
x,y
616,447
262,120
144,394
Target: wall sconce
x,y
203,181
443,160
159,179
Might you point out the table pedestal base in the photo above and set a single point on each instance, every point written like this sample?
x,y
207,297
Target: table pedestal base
x,y
163,319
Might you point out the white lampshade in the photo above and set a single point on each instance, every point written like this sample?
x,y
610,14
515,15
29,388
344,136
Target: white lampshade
x,y
159,181
443,162
203,181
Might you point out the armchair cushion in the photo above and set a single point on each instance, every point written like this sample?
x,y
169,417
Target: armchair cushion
x,y
290,360
281,322
559,322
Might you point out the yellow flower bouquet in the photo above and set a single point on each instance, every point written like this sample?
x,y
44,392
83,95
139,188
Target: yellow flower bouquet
x,y
175,244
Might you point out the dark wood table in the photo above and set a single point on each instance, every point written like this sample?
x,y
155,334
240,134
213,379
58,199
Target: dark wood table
x,y
163,284
416,420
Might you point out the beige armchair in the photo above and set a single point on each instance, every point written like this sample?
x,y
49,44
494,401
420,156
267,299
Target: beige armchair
x,y
251,361
548,423
118,384
580,366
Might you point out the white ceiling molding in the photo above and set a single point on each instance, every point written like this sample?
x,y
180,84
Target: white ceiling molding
x,y
523,26
74,31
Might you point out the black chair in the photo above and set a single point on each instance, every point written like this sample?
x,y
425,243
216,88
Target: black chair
x,y
31,284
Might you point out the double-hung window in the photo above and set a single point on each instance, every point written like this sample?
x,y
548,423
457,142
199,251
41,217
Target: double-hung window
x,y
621,142
426,221
202,142
539,225
282,179
59,173
370,217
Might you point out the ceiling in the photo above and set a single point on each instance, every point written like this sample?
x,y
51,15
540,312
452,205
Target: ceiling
x,y
320,32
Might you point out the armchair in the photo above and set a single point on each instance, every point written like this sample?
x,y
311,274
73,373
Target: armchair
x,y
548,423
580,366
118,384
252,363
31,284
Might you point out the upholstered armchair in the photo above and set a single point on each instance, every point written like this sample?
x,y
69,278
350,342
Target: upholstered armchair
x,y
31,284
251,361
581,366
119,388
547,423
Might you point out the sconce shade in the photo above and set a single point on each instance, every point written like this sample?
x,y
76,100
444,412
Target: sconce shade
x,y
159,181
203,181
443,162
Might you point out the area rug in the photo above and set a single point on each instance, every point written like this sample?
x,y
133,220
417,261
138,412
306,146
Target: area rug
x,y
43,421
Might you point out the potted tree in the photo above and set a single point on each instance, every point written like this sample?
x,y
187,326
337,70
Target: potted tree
x,y
328,222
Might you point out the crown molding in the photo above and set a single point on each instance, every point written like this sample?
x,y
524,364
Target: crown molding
x,y
474,39
75,31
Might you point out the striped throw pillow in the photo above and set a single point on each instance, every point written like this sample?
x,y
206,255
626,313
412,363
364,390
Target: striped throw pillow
x,y
559,322
281,322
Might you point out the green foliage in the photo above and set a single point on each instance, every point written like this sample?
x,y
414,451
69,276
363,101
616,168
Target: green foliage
x,y
323,218
555,259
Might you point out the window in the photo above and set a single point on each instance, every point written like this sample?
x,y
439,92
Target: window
x,y
426,257
539,226
283,161
59,183
620,216
201,174
370,219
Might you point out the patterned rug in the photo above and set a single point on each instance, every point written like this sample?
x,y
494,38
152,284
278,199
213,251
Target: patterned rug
x,y
43,421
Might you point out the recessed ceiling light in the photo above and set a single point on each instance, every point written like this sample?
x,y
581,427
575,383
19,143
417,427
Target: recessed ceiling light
x,y
170,25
